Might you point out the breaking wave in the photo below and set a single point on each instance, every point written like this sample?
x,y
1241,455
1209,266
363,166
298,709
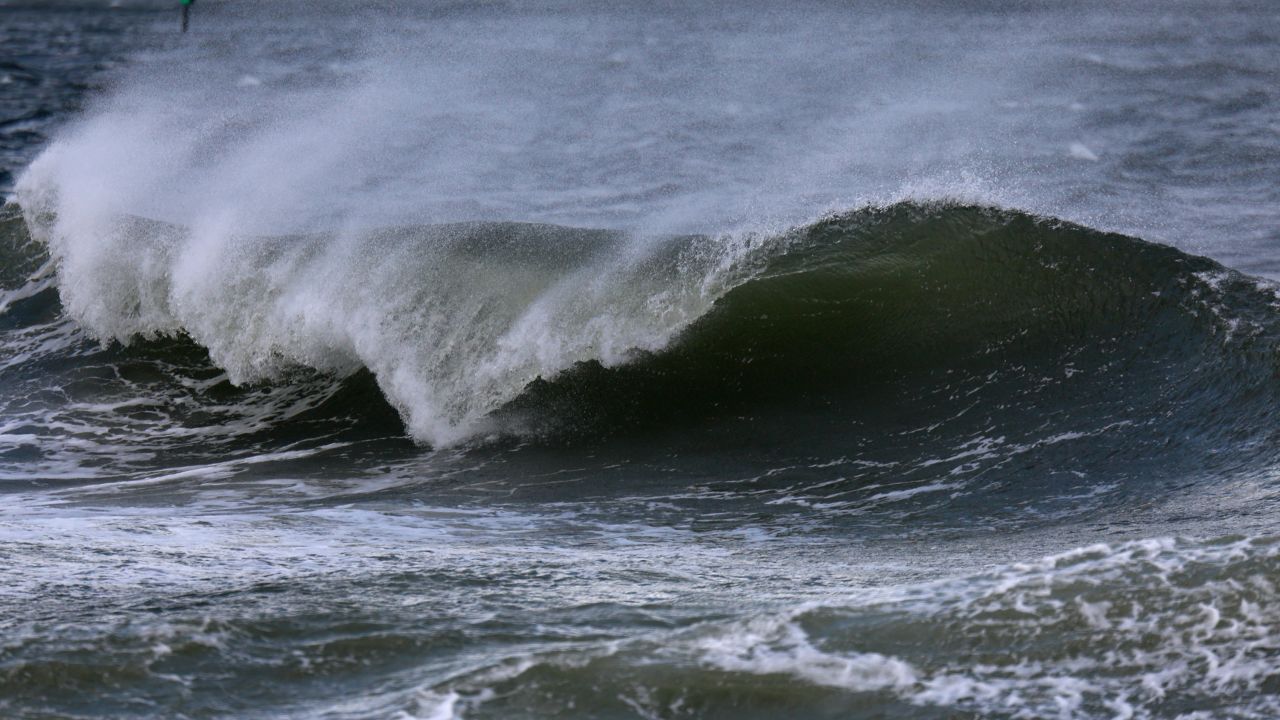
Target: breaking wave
x,y
477,330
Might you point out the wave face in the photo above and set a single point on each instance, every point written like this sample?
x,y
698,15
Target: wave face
x,y
939,294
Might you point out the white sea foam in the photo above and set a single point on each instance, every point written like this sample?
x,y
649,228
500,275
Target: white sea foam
x,y
772,645
1133,630
1080,151
1148,621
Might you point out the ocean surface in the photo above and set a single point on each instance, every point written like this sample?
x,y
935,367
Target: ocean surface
x,y
548,359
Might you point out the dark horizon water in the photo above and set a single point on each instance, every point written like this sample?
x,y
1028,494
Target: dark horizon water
x,y
559,359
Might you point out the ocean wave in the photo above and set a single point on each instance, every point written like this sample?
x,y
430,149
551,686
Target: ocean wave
x,y
478,330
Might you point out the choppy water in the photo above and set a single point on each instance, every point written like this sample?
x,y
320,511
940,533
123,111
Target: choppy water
x,y
424,360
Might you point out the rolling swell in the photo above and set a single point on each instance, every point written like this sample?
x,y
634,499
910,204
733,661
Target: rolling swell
x,y
891,304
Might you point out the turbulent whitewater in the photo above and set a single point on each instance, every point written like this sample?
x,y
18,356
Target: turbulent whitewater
x,y
364,361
